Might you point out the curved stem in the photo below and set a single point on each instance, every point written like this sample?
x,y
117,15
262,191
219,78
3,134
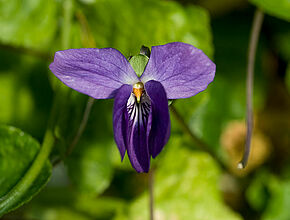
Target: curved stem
x,y
82,126
9,200
255,32
200,143
24,184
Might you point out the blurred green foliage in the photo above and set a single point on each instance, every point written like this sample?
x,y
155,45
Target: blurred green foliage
x,y
127,25
94,184
28,23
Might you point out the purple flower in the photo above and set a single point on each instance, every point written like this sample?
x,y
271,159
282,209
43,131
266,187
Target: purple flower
x,y
141,117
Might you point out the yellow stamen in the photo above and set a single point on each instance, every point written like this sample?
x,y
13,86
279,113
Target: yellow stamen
x,y
138,89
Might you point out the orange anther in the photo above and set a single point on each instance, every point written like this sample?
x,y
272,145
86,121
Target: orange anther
x,y
138,89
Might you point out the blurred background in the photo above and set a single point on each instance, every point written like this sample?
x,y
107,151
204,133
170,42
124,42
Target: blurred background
x,y
91,182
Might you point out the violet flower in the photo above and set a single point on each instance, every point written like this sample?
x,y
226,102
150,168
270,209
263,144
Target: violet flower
x,y
140,117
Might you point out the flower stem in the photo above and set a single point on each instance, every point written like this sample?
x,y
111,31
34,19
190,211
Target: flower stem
x,y
255,32
151,192
200,143
82,126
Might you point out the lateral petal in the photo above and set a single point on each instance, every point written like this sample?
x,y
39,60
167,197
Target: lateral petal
x,y
95,72
120,118
159,118
182,69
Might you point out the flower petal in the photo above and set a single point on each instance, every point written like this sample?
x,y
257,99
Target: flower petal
x,y
95,72
120,118
159,119
137,148
182,69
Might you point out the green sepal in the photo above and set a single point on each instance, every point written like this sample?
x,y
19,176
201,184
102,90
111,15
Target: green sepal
x,y
139,63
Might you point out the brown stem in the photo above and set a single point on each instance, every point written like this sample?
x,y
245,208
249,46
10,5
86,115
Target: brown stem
x,y
255,32
151,192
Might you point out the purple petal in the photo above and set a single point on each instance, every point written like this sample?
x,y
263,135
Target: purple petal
x,y
95,72
159,117
182,69
137,148
120,118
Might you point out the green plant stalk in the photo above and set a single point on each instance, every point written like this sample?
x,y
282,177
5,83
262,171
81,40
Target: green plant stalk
x,y
15,194
25,183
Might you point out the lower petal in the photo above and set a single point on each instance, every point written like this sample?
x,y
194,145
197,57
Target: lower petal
x,y
138,151
137,147
159,119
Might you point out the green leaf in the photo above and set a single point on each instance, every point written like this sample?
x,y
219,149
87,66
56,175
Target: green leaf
x,y
278,8
185,187
128,24
17,152
29,23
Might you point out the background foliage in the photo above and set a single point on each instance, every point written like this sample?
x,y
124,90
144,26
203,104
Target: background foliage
x,y
91,182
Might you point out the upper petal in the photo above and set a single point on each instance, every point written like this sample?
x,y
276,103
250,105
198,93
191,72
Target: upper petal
x,y
159,120
95,72
120,118
182,69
